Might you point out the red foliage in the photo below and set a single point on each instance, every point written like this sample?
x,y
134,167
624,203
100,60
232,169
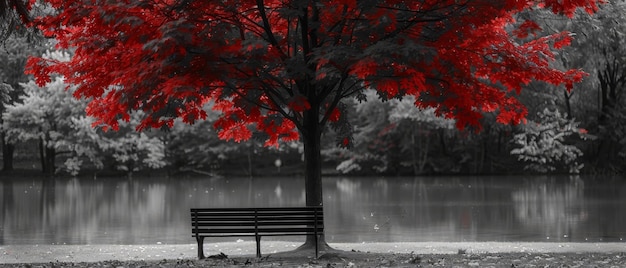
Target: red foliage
x,y
264,67
526,28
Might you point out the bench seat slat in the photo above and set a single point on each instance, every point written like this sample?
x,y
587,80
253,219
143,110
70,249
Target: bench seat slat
x,y
257,209
264,214
201,229
278,223
261,230
248,235
259,218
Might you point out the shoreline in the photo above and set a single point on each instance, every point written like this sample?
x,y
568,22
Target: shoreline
x,y
13,254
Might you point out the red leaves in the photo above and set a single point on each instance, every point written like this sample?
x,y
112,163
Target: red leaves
x,y
365,68
345,142
233,125
278,130
299,104
573,76
237,131
569,7
335,115
237,124
40,69
263,70
526,28
563,40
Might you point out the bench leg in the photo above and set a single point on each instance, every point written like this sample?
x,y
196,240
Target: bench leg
x,y
258,246
200,241
316,247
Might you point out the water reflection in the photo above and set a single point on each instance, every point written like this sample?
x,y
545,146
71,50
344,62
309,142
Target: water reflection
x,y
549,208
115,211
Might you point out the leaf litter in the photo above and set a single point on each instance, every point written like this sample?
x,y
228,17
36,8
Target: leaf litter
x,y
341,259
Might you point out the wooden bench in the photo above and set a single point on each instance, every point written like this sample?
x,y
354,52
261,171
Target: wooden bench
x,y
257,222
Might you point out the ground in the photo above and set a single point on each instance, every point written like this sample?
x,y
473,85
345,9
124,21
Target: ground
x,y
283,254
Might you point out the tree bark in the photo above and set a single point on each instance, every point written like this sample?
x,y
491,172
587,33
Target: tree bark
x,y
47,158
312,127
50,161
8,150
311,136
313,176
42,155
568,105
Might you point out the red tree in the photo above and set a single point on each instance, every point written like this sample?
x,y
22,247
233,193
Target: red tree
x,y
283,67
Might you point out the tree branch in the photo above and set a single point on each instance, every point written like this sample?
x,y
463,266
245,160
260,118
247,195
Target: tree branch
x,y
338,96
268,30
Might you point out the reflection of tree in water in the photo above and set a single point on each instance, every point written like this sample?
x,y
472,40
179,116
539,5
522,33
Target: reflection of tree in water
x,y
606,202
356,209
7,204
348,187
20,210
46,201
550,207
102,212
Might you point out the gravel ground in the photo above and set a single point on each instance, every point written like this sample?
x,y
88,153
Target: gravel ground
x,y
283,254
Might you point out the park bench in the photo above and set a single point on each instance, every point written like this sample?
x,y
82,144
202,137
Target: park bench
x,y
256,222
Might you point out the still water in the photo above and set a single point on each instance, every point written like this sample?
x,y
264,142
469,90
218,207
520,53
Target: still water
x,y
148,211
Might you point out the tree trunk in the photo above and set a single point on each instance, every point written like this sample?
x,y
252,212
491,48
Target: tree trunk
x,y
311,136
50,161
568,105
7,154
313,172
47,158
7,148
42,155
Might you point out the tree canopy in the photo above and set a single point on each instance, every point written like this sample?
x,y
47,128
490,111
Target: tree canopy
x,y
170,57
284,68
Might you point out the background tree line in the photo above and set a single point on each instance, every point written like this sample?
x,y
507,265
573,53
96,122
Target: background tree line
x,y
566,132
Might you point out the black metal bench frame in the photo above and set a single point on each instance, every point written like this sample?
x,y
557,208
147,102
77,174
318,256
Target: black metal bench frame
x,y
256,222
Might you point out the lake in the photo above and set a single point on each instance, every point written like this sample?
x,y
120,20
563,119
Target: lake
x,y
393,209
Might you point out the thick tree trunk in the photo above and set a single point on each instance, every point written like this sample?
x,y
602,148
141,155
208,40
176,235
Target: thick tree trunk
x,y
313,165
313,168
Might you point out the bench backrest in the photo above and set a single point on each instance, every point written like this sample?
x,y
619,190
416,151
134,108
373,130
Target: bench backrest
x,y
257,221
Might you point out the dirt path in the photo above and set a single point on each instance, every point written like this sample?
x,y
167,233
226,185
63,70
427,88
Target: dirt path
x,y
245,251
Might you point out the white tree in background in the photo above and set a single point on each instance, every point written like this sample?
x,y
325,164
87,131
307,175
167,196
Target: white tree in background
x,y
546,146
45,115
55,119
395,123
